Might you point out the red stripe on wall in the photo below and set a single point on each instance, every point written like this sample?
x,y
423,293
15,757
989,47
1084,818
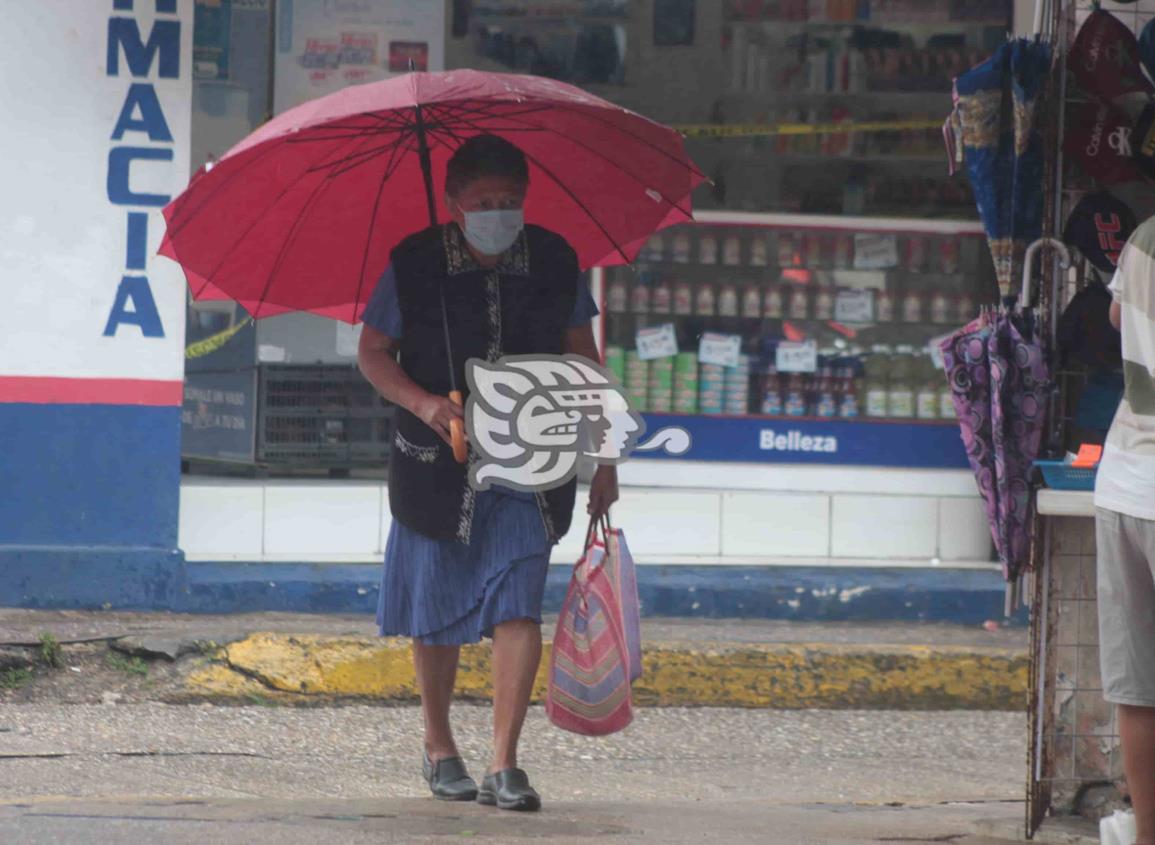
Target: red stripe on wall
x,y
90,391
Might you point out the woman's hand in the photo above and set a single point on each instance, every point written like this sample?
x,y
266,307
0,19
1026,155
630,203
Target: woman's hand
x,y
603,491
438,412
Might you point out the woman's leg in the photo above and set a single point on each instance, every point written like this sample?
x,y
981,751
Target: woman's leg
x,y
516,656
436,669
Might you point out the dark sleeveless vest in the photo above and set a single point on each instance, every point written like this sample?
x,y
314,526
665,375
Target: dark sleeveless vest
x,y
522,306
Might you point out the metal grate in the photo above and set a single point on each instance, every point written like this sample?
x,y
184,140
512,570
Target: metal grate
x,y
321,416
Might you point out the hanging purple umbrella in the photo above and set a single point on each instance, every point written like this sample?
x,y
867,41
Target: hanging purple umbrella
x,y
999,383
1019,386
966,358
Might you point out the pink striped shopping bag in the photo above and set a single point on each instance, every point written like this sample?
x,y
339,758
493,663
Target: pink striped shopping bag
x,y
590,666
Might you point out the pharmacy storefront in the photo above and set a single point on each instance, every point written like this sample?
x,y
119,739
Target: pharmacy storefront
x,y
787,330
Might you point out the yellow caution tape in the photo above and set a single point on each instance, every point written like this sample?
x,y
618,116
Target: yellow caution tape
x,y
765,130
212,344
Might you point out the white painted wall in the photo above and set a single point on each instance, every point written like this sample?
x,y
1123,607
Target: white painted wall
x,y
348,522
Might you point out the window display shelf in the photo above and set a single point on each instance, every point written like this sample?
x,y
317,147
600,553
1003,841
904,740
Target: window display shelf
x,y
798,327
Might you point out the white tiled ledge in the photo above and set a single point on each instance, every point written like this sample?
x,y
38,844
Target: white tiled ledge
x,y
1066,502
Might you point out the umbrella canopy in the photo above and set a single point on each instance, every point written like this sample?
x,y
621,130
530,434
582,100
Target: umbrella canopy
x,y
1019,387
999,384
997,104
302,214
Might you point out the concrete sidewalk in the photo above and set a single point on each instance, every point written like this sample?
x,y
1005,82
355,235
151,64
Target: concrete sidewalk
x,y
312,659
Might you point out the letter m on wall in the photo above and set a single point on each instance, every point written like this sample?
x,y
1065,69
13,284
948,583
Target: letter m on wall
x,y
163,41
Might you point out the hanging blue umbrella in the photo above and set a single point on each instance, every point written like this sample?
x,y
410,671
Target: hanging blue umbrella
x,y
996,111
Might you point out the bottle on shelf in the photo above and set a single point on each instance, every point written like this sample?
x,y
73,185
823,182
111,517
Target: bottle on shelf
x,y
728,300
732,251
884,306
946,408
661,298
705,302
916,253
683,298
796,403
912,304
799,303
901,391
848,405
844,251
772,305
772,402
877,385
640,300
751,300
926,400
618,296
948,255
788,253
942,307
681,248
966,308
825,394
824,304
708,248
759,251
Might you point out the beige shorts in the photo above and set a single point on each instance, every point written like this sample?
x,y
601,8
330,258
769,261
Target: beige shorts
x,y
1126,551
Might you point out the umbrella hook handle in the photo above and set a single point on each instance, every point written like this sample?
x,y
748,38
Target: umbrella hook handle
x,y
1028,291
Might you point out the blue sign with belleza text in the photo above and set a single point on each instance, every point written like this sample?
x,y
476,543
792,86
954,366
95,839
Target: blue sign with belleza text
x,y
775,440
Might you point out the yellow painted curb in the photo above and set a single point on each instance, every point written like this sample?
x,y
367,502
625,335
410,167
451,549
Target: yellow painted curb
x,y
721,675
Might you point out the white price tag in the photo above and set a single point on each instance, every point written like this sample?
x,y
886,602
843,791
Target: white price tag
x,y
854,306
797,357
720,349
348,338
657,342
874,251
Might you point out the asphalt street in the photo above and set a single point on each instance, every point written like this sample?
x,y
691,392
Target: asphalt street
x,y
142,773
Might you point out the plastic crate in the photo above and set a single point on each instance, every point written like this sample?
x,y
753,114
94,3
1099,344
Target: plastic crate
x,y
1062,476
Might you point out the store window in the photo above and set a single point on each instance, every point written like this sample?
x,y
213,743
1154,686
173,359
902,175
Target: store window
x,y
749,81
805,319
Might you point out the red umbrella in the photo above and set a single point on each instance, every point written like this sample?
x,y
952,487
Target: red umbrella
x,y
302,214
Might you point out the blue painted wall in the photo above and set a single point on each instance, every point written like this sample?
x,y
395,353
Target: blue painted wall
x,y
967,597
90,510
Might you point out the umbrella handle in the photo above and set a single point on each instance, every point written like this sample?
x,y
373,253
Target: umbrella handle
x,y
457,430
1027,292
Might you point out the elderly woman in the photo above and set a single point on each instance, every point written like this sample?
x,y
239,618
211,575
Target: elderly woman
x,y
461,565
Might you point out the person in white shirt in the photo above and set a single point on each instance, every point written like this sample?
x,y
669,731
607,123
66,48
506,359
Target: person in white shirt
x,y
1125,529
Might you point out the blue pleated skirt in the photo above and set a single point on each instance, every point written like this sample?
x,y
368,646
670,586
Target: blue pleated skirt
x,y
442,592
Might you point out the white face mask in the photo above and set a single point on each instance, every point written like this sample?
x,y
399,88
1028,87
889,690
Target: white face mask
x,y
493,232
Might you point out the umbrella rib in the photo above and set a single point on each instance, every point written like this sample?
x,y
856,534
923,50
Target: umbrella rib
x,y
240,239
390,168
352,162
686,163
580,205
174,228
283,251
610,161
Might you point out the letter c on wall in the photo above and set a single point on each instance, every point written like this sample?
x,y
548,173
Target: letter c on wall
x,y
120,161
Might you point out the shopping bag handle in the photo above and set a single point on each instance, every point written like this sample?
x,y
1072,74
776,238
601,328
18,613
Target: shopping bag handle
x,y
603,523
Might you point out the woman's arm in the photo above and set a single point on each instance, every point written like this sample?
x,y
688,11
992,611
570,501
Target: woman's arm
x,y
580,341
1116,315
604,486
377,358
